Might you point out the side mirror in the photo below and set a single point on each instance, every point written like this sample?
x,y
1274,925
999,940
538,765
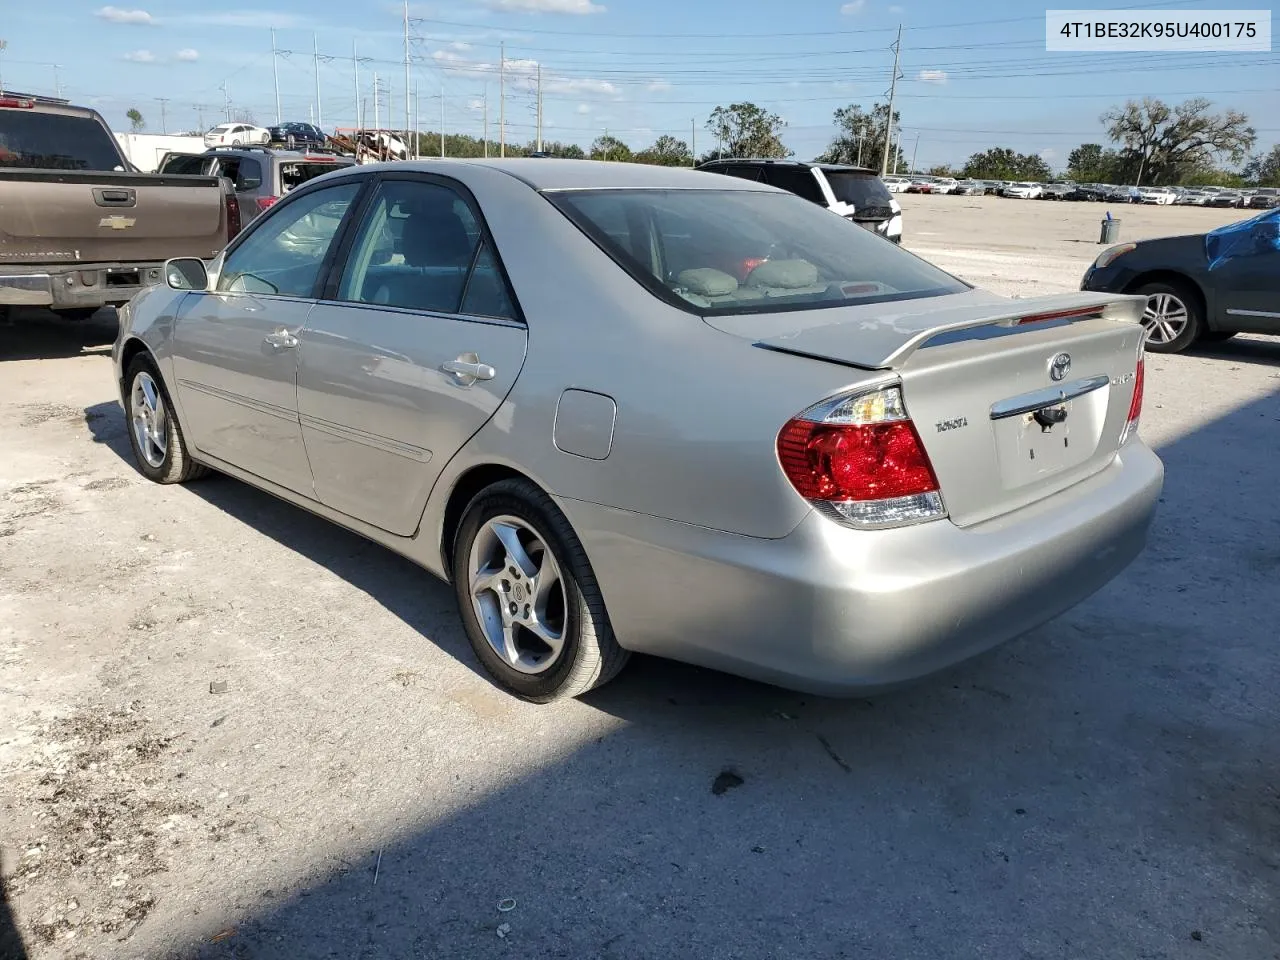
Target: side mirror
x,y
188,273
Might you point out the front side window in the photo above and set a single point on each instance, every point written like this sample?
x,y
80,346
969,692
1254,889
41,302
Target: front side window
x,y
415,249
283,257
716,252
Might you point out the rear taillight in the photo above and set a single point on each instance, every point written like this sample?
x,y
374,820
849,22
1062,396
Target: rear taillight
x,y
860,459
232,205
265,202
18,104
1135,405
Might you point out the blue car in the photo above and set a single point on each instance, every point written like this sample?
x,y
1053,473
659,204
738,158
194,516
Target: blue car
x,y
298,135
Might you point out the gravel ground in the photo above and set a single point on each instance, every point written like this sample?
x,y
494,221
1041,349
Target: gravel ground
x,y
1104,787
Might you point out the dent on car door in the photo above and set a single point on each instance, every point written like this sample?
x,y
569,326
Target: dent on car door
x,y
234,348
411,354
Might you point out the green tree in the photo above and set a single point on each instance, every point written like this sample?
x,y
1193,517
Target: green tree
x,y
666,151
941,170
860,137
1264,169
610,148
1090,163
1167,143
136,122
746,130
1001,163
554,148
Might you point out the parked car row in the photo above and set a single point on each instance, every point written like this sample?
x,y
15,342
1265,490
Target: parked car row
x,y
1255,198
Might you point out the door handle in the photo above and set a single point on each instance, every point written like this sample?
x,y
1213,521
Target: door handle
x,y
468,369
282,339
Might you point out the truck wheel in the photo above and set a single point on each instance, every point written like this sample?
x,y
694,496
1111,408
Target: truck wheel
x,y
77,314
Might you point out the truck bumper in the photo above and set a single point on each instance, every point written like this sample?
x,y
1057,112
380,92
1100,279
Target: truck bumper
x,y
78,285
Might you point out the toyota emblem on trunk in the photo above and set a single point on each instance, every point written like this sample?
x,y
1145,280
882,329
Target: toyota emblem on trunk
x,y
1060,366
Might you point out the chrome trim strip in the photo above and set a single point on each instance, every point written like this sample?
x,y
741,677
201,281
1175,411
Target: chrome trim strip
x,y
1253,313
1036,399
406,450
260,405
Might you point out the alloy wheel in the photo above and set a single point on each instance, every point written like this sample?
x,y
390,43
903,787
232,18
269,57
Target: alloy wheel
x,y
1165,318
150,420
518,594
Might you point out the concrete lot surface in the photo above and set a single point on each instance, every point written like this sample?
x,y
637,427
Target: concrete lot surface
x,y
1104,787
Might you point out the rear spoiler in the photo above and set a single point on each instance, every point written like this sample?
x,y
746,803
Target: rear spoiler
x,y
886,342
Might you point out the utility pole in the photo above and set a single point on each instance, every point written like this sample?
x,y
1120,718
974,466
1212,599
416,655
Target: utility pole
x,y
226,99
539,106
275,72
375,101
3,44
862,132
199,116
914,150
163,126
693,140
355,68
442,120
315,48
57,81
407,153
502,99
486,121
888,121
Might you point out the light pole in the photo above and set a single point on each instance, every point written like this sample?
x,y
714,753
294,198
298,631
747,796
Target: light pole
x,y
3,44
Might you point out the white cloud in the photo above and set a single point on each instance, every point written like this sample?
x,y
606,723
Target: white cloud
x,y
247,19
117,15
897,9
584,108
187,55
579,85
932,76
576,7
658,85
1048,155
853,6
460,45
140,56
521,73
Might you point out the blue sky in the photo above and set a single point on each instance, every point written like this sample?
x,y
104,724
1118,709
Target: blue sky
x,y
973,75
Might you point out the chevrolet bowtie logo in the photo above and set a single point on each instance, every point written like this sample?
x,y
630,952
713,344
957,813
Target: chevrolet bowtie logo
x,y
117,222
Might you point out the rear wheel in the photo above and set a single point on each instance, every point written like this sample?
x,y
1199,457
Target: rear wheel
x,y
235,143
154,432
528,598
1173,317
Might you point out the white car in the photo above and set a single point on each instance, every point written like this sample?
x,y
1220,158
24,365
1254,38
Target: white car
x,y
896,184
944,184
236,134
1160,195
1024,191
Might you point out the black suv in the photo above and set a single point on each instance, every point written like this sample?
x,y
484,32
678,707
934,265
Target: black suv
x,y
261,175
856,193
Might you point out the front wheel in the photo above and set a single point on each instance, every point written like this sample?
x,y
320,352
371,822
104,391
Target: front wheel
x,y
1172,318
154,433
528,598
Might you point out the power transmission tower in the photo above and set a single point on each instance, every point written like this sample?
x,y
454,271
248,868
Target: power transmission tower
x,y
914,151
693,140
199,108
502,99
408,153
163,126
57,80
3,44
375,101
442,120
226,99
486,121
893,89
539,108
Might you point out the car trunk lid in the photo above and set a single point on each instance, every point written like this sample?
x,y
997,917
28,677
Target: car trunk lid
x,y
1013,400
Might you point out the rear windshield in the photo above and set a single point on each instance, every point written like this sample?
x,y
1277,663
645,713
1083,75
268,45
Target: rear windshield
x,y
863,190
185,163
49,141
716,252
296,174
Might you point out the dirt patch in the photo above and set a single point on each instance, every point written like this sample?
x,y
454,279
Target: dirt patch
x,y
34,414
105,824
106,483
28,500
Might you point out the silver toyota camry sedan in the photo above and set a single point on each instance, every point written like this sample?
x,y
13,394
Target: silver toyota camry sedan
x,y
627,408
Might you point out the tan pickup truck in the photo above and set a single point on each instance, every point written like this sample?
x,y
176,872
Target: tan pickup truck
x,y
79,226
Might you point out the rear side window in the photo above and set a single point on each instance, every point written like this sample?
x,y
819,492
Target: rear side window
x,y
716,252
48,141
742,173
797,180
193,164
864,190
296,174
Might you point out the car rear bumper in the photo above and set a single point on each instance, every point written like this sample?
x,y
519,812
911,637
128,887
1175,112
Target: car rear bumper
x,y
836,611
78,285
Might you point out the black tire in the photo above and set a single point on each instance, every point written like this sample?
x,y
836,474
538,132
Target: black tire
x,y
235,143
1187,297
590,655
176,466
1216,336
77,314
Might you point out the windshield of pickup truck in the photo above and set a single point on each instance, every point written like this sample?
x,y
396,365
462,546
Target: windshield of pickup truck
x,y
50,141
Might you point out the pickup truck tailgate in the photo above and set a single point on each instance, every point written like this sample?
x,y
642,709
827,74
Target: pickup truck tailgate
x,y
89,216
